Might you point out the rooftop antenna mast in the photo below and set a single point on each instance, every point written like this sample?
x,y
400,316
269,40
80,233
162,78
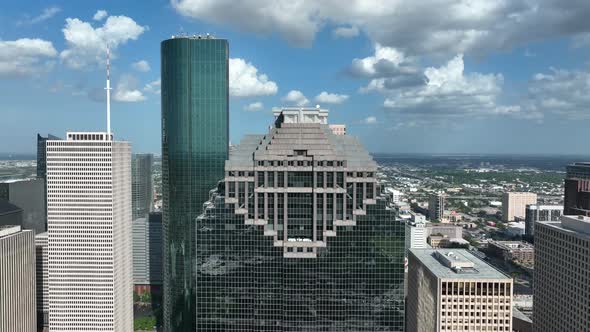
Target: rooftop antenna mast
x,y
108,88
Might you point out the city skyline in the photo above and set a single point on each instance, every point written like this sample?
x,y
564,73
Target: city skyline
x,y
520,92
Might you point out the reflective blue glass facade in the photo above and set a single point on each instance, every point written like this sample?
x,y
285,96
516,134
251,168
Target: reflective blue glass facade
x,y
195,140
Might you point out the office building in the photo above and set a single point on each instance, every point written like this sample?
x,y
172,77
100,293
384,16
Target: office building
x,y
396,195
42,169
147,253
29,195
41,154
562,275
141,182
518,251
338,129
577,189
89,233
447,230
514,204
535,213
195,140
416,235
17,280
299,237
436,206
10,214
42,279
452,290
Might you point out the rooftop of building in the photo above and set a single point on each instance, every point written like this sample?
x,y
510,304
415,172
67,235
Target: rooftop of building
x,y
300,132
194,36
575,225
510,245
456,264
544,207
89,136
6,230
8,208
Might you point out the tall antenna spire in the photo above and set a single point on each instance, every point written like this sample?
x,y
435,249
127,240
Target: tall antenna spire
x,y
108,88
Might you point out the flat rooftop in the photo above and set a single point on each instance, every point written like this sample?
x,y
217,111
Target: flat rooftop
x,y
513,244
6,230
474,268
575,225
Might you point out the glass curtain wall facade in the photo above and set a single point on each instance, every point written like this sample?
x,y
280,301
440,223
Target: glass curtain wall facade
x,y
195,138
141,184
299,237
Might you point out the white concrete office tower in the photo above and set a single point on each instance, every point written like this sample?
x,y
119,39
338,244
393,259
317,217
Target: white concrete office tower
x,y
514,204
452,290
42,272
89,233
416,235
17,280
562,275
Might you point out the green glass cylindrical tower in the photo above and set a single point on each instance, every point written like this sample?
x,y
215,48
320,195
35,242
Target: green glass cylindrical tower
x,y
195,139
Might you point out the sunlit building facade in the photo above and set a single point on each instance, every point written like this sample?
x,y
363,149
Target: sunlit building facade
x,y
195,140
299,237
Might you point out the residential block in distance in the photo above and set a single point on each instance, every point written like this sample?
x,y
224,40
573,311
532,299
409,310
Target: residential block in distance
x,y
514,204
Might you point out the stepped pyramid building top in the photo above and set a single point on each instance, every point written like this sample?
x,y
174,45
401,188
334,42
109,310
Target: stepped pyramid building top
x,y
301,134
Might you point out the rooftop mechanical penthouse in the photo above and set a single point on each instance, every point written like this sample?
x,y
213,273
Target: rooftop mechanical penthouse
x,y
297,236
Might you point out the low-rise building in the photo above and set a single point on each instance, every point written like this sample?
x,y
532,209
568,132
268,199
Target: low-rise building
x,y
519,251
452,290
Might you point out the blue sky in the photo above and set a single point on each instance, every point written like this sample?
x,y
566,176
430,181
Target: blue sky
x,y
436,76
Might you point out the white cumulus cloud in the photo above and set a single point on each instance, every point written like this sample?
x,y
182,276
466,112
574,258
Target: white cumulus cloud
x,y
126,90
141,65
416,27
86,45
331,98
154,87
25,57
296,97
253,107
370,120
450,92
245,81
100,14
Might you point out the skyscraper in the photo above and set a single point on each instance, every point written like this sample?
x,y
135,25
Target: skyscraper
x,y
562,275
147,253
141,181
195,139
29,195
42,170
299,237
535,212
452,290
89,233
42,278
17,280
514,204
577,189
41,154
436,206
